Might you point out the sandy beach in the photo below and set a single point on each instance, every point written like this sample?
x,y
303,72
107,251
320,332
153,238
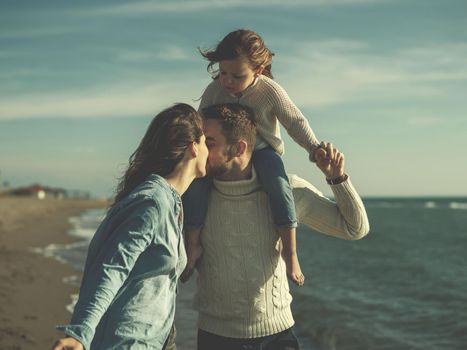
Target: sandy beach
x,y
32,294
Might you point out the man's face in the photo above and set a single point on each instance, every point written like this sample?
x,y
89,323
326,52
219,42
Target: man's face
x,y
219,161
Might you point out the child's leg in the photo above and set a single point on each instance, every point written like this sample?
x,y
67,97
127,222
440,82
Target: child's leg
x,y
195,207
272,177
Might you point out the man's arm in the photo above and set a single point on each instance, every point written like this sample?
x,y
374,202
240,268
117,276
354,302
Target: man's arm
x,y
345,217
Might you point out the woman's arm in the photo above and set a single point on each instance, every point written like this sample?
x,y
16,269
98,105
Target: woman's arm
x,y
109,268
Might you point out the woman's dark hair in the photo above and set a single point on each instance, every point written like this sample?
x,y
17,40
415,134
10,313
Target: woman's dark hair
x,y
162,147
240,43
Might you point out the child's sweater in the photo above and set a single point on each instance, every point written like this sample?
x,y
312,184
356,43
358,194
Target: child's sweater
x,y
270,104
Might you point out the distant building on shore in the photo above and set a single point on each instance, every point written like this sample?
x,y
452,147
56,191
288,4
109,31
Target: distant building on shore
x,y
41,192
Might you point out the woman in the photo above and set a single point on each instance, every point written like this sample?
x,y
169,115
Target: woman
x,y
127,295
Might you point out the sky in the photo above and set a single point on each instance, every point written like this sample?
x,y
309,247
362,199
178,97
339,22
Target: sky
x,y
384,80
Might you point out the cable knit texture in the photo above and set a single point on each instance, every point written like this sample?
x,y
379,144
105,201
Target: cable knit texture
x,y
271,105
243,290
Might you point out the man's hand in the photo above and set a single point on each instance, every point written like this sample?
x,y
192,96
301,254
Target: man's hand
x,y
330,161
68,343
194,251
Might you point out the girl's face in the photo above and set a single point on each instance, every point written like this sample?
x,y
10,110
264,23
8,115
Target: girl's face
x,y
236,75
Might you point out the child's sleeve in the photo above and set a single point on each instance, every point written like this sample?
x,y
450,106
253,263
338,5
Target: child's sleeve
x,y
207,97
294,121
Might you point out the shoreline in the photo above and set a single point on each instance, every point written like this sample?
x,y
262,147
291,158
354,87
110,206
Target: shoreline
x,y
33,294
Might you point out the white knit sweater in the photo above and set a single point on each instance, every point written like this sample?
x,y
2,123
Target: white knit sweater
x,y
242,287
271,105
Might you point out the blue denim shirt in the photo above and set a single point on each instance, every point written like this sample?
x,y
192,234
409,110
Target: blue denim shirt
x,y
128,290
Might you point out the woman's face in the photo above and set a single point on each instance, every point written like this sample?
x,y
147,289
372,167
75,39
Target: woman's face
x,y
236,75
202,157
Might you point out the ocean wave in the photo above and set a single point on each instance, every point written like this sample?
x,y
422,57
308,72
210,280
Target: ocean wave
x,y
85,225
71,306
430,205
85,233
458,205
390,205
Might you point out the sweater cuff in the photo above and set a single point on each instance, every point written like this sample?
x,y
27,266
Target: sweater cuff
x,y
352,208
344,188
82,333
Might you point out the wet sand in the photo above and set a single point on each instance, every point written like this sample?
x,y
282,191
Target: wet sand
x,y
33,296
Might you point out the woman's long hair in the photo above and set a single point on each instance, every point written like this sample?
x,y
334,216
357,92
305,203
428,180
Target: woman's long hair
x,y
162,147
240,43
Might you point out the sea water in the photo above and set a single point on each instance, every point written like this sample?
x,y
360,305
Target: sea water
x,y
404,286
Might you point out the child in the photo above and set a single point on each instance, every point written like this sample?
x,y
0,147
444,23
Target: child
x,y
244,76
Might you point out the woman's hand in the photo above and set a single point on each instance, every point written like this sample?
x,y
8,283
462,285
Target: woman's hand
x,y
329,160
68,343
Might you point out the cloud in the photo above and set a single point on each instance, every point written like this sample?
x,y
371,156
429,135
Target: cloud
x,y
316,74
167,53
326,73
34,32
144,7
424,121
124,100
84,149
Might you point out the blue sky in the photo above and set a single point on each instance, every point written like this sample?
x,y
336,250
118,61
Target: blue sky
x,y
384,80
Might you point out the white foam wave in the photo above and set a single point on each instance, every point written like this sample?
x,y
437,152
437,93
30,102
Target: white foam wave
x,y
430,205
72,280
458,205
85,225
85,233
49,252
74,299
385,204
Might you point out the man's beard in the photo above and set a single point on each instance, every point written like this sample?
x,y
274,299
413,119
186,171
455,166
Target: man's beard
x,y
221,169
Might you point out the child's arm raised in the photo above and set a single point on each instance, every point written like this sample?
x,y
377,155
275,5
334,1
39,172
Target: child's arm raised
x,y
293,120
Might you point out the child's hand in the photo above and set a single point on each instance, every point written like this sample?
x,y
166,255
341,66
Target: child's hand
x,y
320,153
330,160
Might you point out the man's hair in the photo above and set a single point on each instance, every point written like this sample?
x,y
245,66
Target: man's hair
x,y
237,122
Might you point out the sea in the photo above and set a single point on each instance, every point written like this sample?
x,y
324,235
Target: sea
x,y
402,287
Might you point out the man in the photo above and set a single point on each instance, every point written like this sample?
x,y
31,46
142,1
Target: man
x,y
243,295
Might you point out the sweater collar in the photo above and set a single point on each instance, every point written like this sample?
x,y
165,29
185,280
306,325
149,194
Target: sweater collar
x,y
237,188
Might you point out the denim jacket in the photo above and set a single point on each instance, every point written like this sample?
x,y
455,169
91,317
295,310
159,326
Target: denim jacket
x,y
128,290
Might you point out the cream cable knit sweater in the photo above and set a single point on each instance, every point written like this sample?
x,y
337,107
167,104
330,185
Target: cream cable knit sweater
x,y
243,290
271,104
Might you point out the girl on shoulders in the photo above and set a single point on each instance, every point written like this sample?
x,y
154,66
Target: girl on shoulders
x,y
244,76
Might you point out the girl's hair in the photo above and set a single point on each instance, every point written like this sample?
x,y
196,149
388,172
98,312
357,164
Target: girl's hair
x,y
162,147
240,43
